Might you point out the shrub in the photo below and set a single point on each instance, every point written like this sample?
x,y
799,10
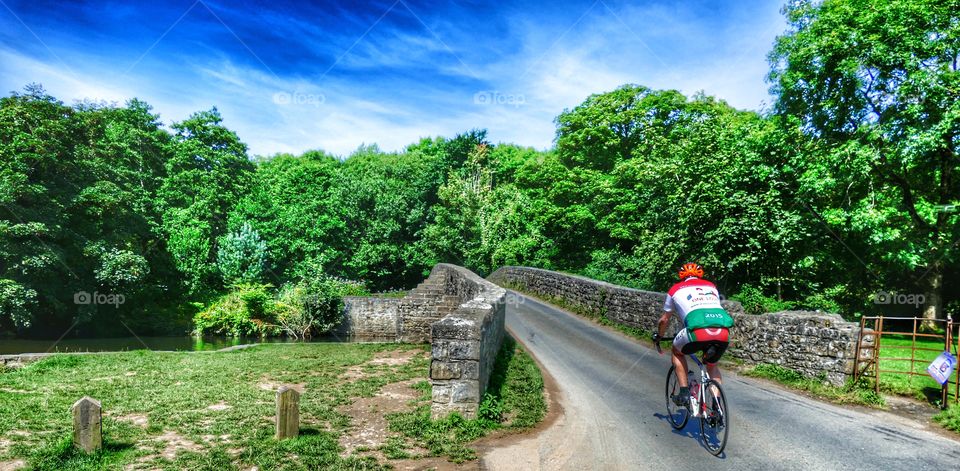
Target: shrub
x,y
246,310
755,302
315,303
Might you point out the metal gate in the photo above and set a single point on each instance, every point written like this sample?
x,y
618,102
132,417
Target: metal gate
x,y
876,359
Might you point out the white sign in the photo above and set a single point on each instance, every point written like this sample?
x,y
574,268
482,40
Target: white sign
x,y
942,367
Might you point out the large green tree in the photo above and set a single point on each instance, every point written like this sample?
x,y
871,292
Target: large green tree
x,y
207,173
877,83
648,179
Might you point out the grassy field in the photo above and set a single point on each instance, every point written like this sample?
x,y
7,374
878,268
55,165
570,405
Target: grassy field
x,y
215,410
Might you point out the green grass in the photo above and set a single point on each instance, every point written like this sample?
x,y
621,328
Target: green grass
x,y
950,418
173,392
514,400
850,394
921,386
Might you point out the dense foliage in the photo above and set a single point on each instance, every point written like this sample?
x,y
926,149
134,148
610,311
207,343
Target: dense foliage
x,y
845,189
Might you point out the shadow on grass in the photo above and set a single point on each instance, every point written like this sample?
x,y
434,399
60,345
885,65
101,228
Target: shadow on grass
x,y
498,377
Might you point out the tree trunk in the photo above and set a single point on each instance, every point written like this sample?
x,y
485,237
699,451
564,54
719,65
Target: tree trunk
x,y
933,301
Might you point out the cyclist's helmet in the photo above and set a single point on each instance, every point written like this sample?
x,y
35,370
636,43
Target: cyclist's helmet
x,y
690,269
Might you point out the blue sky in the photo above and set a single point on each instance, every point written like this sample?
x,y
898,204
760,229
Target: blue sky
x,y
291,76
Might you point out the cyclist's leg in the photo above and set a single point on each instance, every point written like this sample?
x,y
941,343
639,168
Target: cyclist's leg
x,y
714,370
679,359
715,345
711,357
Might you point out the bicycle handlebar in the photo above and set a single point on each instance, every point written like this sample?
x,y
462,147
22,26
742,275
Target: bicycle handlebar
x,y
665,338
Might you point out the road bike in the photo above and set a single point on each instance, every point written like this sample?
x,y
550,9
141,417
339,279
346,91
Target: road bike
x,y
708,401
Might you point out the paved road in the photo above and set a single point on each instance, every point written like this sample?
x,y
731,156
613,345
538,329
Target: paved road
x,y
611,391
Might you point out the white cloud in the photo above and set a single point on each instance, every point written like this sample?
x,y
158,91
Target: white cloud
x,y
653,46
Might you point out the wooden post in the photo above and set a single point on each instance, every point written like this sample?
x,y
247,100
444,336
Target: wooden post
x,y
945,389
288,413
87,431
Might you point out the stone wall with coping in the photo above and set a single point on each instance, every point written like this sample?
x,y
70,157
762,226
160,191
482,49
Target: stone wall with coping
x,y
815,344
465,343
631,307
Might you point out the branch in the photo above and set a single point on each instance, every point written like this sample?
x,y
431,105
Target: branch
x,y
908,200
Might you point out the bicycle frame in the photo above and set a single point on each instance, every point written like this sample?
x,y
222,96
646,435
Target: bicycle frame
x,y
710,416
704,379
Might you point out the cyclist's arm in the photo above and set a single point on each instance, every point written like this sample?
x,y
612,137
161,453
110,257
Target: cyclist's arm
x,y
663,323
665,318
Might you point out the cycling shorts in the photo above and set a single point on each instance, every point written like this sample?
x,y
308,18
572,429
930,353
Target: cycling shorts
x,y
711,341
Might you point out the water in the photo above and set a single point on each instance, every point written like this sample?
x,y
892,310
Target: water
x,y
185,343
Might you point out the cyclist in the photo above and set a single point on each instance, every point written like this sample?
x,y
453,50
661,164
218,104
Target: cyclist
x,y
697,303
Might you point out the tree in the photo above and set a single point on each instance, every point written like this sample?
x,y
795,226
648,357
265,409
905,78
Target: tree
x,y
878,83
242,256
15,304
290,205
207,173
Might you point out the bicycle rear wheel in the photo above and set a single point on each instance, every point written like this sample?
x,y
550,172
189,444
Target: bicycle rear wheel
x,y
678,414
714,418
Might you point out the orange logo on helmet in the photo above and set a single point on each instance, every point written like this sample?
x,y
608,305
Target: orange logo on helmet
x,y
690,269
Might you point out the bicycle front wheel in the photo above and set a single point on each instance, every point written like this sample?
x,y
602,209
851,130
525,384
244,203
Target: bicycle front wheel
x,y
714,418
678,414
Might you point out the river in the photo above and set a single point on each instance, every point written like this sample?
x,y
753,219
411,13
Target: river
x,y
10,346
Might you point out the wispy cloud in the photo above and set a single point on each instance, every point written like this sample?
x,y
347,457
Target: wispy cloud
x,y
289,78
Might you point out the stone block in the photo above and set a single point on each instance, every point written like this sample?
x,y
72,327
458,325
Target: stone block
x,y
87,425
445,370
441,392
465,391
446,350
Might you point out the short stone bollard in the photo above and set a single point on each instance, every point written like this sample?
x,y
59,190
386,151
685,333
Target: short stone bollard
x,y
87,431
288,413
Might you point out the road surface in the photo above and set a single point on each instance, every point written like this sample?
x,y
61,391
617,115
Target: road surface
x,y
611,392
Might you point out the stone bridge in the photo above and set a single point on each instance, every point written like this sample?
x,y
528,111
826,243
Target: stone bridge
x,y
459,313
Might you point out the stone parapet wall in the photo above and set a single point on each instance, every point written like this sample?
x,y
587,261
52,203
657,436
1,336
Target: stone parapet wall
x,y
815,344
370,318
631,307
429,302
465,343
459,313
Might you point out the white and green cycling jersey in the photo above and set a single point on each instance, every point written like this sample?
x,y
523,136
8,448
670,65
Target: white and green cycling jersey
x,y
697,303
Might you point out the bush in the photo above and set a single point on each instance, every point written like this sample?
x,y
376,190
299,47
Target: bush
x,y
314,303
247,309
755,302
